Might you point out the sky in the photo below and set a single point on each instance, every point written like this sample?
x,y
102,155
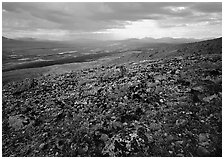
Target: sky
x,y
111,21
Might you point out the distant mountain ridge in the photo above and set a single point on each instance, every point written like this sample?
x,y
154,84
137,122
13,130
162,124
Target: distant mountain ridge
x,y
164,40
5,38
138,40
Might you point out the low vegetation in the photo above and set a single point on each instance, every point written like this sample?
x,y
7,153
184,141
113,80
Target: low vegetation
x,y
153,107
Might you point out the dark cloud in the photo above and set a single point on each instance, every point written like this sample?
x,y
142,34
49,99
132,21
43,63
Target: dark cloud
x,y
209,7
92,17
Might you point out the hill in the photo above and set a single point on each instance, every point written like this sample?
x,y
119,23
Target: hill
x,y
169,106
162,51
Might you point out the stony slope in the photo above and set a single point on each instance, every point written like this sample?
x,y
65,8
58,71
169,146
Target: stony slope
x,y
161,107
172,50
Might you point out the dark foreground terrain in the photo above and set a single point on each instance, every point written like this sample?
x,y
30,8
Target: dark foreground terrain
x,y
161,107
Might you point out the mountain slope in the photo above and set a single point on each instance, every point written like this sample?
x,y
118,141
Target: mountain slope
x,y
170,107
172,50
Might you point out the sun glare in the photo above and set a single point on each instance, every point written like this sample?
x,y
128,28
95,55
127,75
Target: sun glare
x,y
138,29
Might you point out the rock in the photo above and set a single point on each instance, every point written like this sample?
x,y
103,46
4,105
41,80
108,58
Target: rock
x,y
179,142
18,122
155,126
150,84
83,149
60,144
160,77
177,71
43,146
104,137
149,137
198,89
209,98
117,125
139,111
73,146
170,138
181,122
125,124
180,155
183,82
202,152
26,109
157,82
214,72
26,150
203,137
25,85
158,89
148,90
204,143
60,116
218,81
113,117
161,100
171,152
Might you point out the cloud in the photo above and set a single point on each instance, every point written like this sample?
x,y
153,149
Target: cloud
x,y
96,17
208,7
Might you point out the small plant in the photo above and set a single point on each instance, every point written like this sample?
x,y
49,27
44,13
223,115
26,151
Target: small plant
x,y
123,70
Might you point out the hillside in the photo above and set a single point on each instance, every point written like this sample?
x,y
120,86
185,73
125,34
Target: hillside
x,y
30,59
163,102
171,50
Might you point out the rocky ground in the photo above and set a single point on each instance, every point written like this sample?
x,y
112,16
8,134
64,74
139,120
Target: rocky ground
x,y
164,107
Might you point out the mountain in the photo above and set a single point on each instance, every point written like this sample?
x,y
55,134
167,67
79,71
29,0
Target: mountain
x,y
149,51
6,39
168,40
168,103
152,42
27,39
29,43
